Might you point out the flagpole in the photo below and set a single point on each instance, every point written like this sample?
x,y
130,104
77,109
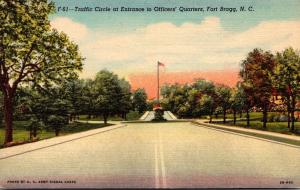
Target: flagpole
x,y
157,82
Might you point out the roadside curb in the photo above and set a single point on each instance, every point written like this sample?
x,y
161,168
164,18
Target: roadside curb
x,y
251,134
30,147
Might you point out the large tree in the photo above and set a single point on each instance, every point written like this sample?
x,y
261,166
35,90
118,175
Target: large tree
x,y
208,105
1,108
74,93
287,80
90,95
223,94
109,93
256,73
31,51
139,100
207,97
237,101
125,101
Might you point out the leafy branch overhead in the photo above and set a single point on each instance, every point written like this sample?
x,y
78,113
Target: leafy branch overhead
x,y
32,51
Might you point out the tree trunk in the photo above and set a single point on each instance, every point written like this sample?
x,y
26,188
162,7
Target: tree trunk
x,y
234,117
210,116
248,117
293,113
34,132
265,116
224,115
289,111
8,118
241,114
56,132
105,118
30,134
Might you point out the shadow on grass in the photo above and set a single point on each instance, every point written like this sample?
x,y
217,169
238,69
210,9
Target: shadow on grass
x,y
277,127
21,135
253,134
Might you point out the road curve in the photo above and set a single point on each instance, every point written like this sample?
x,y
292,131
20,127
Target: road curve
x,y
161,155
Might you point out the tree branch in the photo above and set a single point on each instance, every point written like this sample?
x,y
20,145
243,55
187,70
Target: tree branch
x,y
21,75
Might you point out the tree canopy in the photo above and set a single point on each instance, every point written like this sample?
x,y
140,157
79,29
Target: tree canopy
x,y
32,51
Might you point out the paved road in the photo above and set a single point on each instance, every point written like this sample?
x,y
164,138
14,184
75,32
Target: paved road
x,y
162,155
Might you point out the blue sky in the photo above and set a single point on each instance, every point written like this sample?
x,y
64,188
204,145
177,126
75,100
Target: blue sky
x,y
264,10
177,37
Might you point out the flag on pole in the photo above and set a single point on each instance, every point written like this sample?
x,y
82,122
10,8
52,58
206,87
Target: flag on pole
x,y
160,64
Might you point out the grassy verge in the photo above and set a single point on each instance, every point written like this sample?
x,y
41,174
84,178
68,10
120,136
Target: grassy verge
x,y
253,116
278,127
132,115
22,136
264,136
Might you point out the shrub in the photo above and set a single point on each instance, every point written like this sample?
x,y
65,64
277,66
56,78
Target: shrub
x,y
283,118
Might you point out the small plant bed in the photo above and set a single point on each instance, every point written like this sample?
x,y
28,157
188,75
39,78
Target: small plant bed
x,y
132,115
158,115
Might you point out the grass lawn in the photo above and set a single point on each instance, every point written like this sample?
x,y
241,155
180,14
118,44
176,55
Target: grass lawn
x,y
255,122
20,134
132,115
253,116
278,127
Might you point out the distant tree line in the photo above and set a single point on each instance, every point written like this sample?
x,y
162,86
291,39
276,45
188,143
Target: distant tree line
x,y
262,76
54,106
39,73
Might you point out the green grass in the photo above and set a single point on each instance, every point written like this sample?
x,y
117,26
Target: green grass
x,y
253,116
132,115
278,127
21,135
264,136
256,123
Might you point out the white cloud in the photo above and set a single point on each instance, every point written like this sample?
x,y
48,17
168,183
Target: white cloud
x,y
191,46
74,30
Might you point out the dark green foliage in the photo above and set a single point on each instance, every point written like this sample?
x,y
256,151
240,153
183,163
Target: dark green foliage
x,y
74,94
111,95
286,80
34,126
125,101
192,100
159,115
139,100
56,122
31,51
256,72
223,94
237,101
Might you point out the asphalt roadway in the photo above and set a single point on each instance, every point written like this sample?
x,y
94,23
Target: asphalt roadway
x,y
160,155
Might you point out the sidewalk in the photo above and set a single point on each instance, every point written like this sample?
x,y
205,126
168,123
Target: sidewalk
x,y
283,138
21,149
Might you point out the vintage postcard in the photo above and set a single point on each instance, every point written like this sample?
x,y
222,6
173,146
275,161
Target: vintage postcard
x,y
149,94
